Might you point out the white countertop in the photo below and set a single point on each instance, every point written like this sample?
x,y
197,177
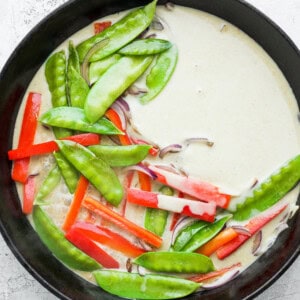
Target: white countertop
x,y
17,17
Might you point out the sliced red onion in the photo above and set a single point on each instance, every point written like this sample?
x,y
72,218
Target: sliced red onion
x,y
142,168
129,265
241,229
256,243
157,24
169,6
86,60
182,223
151,36
255,182
144,245
168,168
116,107
114,139
221,280
174,148
199,140
135,90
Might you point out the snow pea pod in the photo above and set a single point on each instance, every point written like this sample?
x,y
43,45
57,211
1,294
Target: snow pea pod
x,y
149,46
77,86
55,72
95,169
160,73
205,234
74,118
113,83
135,286
186,234
120,33
156,219
54,239
269,191
175,262
51,181
97,68
121,156
68,172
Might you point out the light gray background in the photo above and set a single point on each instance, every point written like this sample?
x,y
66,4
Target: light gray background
x,y
17,17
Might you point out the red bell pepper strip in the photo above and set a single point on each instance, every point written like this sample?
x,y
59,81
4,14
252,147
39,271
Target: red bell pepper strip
x,y
78,239
210,275
74,208
28,129
254,225
112,216
109,238
191,186
196,209
28,195
100,26
85,139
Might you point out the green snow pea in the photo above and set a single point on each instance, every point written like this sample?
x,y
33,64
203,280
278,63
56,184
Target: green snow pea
x,y
160,73
77,86
56,242
55,72
156,219
187,233
68,172
175,262
149,46
120,33
269,191
205,234
95,169
121,156
49,184
74,118
135,286
97,68
113,83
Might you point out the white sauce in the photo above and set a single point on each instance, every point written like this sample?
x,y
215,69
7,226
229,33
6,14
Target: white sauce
x,y
225,88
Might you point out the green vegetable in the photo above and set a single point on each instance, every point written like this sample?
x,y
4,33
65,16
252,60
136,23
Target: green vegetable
x,y
120,33
270,191
205,234
156,219
49,184
54,239
55,72
160,73
95,169
74,118
175,262
113,83
146,47
97,68
121,156
134,286
69,173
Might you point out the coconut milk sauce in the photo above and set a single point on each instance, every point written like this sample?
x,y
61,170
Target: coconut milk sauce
x,y
225,88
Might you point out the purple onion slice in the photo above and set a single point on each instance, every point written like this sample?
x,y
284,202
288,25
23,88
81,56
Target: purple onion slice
x,y
221,280
256,243
142,168
174,148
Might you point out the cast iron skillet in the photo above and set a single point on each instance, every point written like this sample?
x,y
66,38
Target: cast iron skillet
x,y
17,74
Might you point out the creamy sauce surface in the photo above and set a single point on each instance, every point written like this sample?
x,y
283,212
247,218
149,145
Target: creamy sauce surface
x,y
224,88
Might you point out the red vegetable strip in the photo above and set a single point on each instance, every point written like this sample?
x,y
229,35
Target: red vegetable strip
x,y
122,222
90,248
85,139
145,182
28,129
113,116
100,26
196,209
28,195
109,238
191,186
74,208
210,275
253,226
218,241
176,216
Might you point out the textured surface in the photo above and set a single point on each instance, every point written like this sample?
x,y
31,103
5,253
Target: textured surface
x,y
16,19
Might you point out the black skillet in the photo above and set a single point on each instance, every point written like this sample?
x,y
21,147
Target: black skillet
x,y
17,74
